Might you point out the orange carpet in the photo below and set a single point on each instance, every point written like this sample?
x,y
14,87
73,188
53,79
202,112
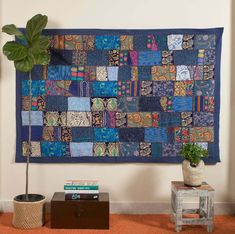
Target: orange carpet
x,y
127,224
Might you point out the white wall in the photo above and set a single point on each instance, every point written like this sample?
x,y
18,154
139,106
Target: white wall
x,y
125,182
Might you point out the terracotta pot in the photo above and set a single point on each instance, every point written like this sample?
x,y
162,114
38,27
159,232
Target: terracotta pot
x,y
193,176
29,214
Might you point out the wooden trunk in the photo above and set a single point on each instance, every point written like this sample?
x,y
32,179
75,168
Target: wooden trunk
x,y
80,214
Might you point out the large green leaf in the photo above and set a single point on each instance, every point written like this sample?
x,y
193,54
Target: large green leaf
x,y
24,65
14,51
42,58
11,29
40,45
35,26
34,51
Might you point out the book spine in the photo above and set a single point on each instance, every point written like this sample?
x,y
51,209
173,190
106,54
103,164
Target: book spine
x,y
76,196
77,187
81,182
82,191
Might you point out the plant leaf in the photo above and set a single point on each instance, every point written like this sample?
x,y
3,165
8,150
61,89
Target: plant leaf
x,y
35,26
193,153
42,58
24,65
11,29
40,45
14,51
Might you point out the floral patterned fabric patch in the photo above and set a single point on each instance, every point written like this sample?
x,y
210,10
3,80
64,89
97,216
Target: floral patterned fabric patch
x,y
122,96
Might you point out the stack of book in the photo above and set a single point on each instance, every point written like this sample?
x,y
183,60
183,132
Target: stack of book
x,y
81,190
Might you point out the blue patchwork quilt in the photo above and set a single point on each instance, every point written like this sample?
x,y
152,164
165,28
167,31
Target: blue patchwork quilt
x,y
122,96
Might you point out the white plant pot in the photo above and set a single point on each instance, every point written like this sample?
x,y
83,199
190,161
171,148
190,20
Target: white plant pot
x,y
193,176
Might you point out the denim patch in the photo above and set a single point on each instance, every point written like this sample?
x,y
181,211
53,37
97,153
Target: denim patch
x,y
97,58
140,42
112,73
171,135
81,149
84,134
149,58
79,104
36,133
124,73
185,57
36,118
37,72
168,119
61,57
56,103
155,135
156,149
144,73
58,72
131,134
150,104
182,104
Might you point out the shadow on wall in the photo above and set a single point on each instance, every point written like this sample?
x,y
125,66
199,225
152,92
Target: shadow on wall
x,y
231,171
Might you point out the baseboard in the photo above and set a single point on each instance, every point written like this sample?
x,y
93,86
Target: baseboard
x,y
221,208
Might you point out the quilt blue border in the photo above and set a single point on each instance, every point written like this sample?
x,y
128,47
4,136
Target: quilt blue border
x,y
210,160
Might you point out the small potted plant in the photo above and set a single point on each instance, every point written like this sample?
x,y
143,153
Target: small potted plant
x,y
193,166
29,49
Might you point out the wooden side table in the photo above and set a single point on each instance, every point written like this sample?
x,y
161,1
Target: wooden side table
x,y
206,205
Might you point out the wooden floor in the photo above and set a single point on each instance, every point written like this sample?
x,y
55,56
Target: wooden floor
x,y
126,224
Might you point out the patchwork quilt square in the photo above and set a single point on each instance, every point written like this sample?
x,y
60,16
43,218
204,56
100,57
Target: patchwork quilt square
x,y
36,118
56,103
128,149
121,96
35,149
81,149
58,72
79,104
82,134
54,149
36,134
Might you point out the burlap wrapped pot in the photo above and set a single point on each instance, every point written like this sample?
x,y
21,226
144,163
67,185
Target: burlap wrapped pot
x,y
29,214
193,176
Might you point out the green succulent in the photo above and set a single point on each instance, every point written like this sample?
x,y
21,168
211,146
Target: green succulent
x,y
193,153
31,47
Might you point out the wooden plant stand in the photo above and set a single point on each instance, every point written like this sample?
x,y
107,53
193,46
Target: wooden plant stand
x,y
205,192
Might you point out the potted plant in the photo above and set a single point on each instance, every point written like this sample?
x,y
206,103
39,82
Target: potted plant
x,y
29,49
193,166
